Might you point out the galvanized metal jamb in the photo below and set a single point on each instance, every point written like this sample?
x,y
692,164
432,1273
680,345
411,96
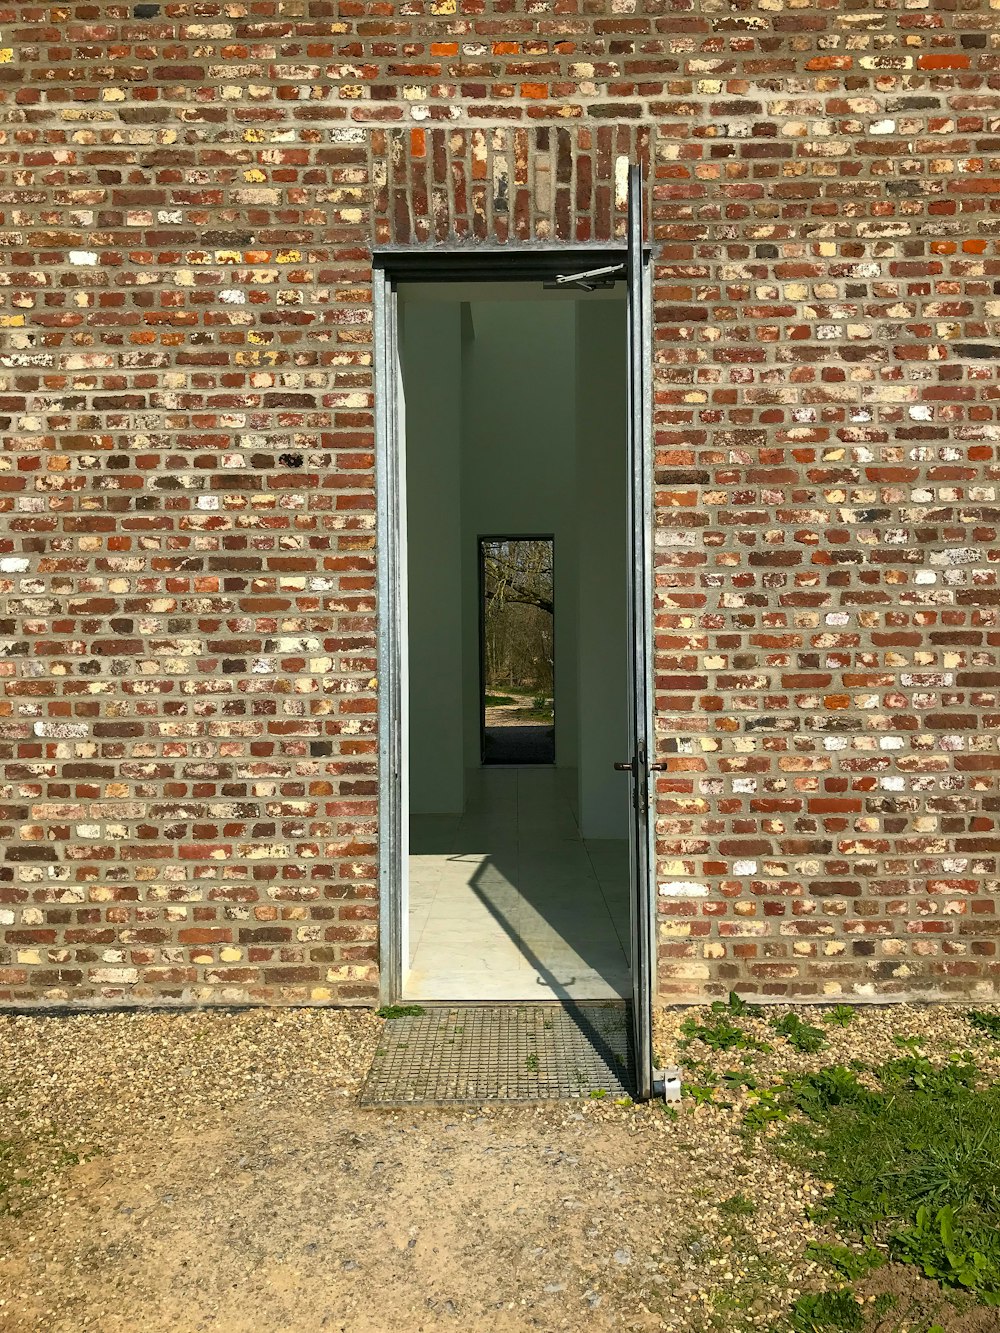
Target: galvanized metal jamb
x,y
388,492
646,889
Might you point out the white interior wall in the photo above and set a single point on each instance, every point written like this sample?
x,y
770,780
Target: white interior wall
x,y
519,475
516,424
603,609
432,371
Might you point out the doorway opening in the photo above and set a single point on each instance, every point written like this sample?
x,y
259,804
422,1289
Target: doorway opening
x,y
517,646
516,424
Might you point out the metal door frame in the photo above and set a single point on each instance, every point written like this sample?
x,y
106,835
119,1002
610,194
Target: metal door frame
x,y
640,587
485,262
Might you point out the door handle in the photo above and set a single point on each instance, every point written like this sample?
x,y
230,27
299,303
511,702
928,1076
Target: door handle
x,y
625,767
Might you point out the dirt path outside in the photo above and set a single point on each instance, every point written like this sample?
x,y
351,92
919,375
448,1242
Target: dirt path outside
x,y
235,1187
228,1183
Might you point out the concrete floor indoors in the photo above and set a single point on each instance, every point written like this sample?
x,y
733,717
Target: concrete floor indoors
x,y
508,902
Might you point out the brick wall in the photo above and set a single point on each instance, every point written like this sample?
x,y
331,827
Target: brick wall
x,y
190,192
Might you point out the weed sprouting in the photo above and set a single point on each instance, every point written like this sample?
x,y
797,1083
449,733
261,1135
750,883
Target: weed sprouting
x,y
720,1034
702,1094
801,1036
734,1079
960,1256
911,1044
989,1024
841,1015
765,1110
815,1095
918,1074
400,1011
735,1004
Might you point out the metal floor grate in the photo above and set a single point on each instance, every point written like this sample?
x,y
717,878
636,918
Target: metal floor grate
x,y
503,1052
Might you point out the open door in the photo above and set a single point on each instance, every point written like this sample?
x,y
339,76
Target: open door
x,y
643,902
393,740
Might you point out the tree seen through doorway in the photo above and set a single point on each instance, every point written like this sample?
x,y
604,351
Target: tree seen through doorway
x,y
518,641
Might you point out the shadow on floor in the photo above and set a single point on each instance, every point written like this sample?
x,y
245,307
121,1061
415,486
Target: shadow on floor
x,y
509,902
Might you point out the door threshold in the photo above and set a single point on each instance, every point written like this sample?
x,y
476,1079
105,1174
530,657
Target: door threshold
x,y
490,767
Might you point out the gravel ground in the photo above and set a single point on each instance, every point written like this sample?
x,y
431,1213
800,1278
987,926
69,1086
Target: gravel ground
x,y
210,1171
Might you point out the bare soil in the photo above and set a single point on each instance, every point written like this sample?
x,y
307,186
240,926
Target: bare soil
x,y
919,1304
516,715
230,1183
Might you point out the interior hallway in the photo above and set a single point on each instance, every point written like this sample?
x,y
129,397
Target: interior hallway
x,y
508,902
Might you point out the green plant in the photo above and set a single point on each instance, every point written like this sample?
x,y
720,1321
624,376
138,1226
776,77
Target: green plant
x,y
531,1062
883,1303
702,1094
7,1166
400,1011
737,1205
911,1044
851,1264
802,1036
734,1079
598,1093
817,1311
959,1258
984,1022
841,1015
918,1074
496,700
764,1110
735,1004
817,1093
719,1035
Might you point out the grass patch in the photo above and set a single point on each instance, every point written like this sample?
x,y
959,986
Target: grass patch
x,y
400,1011
914,1164
737,1205
9,1167
26,1166
848,1263
818,1311
988,1024
498,700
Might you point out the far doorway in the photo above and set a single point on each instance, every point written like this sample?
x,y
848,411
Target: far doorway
x,y
517,637
517,650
